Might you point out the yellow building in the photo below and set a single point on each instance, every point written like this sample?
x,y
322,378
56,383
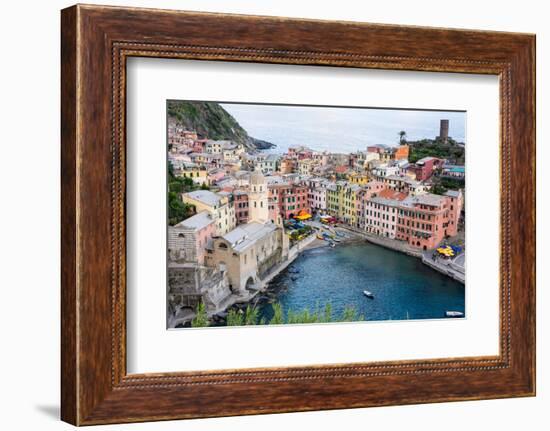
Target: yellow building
x,y
197,173
343,201
333,200
359,178
218,205
350,200
306,166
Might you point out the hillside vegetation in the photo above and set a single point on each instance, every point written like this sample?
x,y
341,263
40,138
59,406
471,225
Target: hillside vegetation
x,y
211,121
452,151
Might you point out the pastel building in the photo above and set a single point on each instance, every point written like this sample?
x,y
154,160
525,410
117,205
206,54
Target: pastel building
x,y
424,168
187,240
269,164
300,152
317,197
359,178
454,171
401,152
197,173
247,254
404,183
287,166
385,170
241,206
289,198
455,209
178,160
215,175
349,212
425,220
214,147
387,153
211,160
219,206
380,213
306,166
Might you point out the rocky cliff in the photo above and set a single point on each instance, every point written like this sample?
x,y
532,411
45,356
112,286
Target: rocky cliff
x,y
211,121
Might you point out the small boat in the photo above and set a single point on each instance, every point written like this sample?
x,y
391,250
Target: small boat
x,y
368,294
454,314
332,245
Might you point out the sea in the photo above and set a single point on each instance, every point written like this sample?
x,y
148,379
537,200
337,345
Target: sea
x,y
403,287
340,129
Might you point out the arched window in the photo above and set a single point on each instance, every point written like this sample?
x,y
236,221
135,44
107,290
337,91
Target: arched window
x,y
223,246
180,235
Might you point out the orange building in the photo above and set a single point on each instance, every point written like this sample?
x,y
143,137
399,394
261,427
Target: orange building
x,y
401,152
287,166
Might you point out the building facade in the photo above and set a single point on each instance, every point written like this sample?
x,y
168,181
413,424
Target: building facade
x,y
425,220
241,206
219,206
187,240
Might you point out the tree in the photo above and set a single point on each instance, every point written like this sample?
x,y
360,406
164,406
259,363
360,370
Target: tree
x,y
402,137
234,318
201,319
438,189
204,186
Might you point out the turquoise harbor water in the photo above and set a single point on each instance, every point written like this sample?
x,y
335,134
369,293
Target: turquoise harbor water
x,y
402,285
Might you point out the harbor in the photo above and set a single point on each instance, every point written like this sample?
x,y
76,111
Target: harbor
x,y
403,287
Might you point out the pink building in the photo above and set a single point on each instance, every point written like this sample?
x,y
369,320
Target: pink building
x,y
424,168
300,153
198,145
187,240
455,209
289,198
241,206
215,175
373,187
380,212
426,219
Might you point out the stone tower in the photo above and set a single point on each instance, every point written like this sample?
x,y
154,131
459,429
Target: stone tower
x,y
257,198
444,130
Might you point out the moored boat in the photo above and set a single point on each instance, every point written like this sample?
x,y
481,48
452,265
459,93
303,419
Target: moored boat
x,y
368,294
454,314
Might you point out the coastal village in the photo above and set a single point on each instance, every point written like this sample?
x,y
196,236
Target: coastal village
x,y
247,214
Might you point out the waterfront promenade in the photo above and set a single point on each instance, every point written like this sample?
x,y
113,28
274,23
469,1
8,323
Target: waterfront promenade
x,y
454,268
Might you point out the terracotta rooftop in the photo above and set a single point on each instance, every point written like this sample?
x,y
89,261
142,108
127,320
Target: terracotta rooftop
x,y
392,194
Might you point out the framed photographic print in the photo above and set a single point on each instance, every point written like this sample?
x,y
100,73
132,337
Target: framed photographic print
x,y
268,215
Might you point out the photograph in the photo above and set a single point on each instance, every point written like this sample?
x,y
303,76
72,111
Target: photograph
x,y
299,214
